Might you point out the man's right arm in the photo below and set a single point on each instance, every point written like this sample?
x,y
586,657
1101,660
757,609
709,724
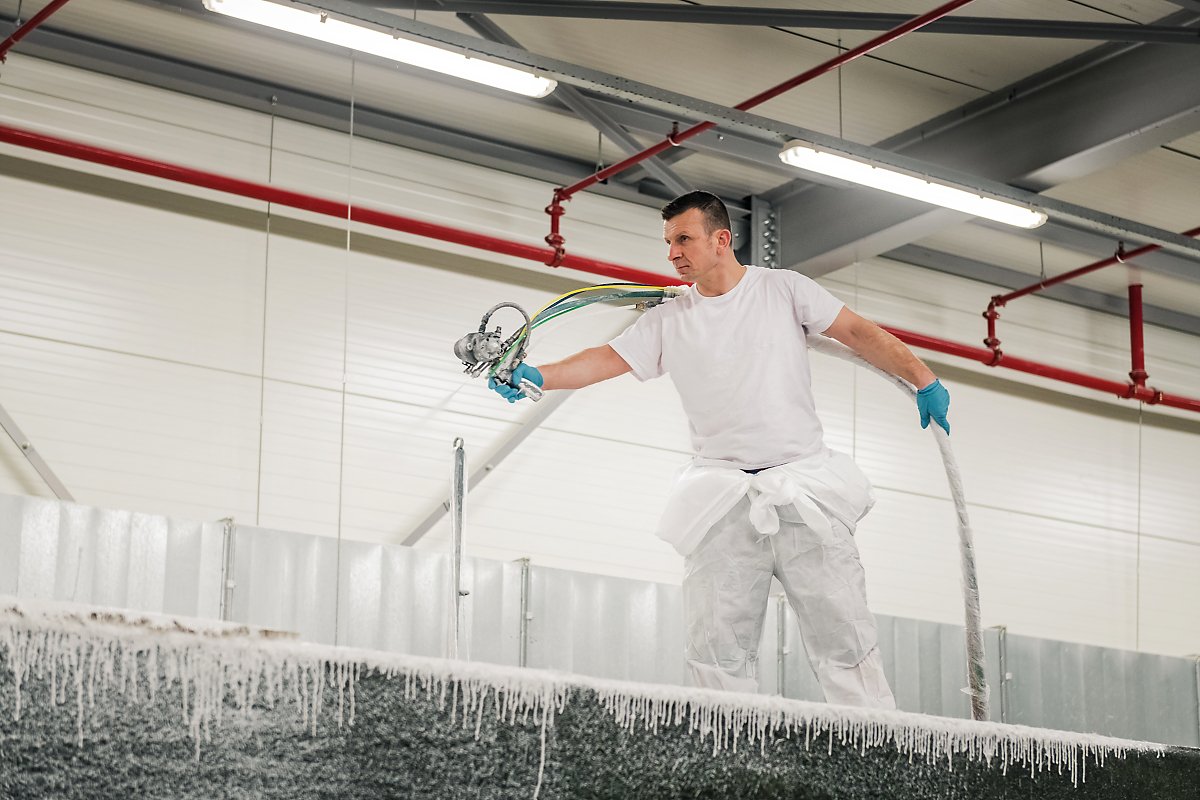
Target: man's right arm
x,y
583,369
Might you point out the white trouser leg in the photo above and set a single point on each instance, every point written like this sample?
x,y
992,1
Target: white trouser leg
x,y
726,584
826,587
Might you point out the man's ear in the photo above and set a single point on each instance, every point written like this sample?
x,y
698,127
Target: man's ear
x,y
724,237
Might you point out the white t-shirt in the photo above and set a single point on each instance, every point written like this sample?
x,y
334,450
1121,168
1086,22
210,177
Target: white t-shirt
x,y
740,364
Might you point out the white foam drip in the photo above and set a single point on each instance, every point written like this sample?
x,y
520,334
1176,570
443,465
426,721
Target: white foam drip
x,y
83,656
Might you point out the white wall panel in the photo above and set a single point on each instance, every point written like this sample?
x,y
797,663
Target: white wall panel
x,y
1056,579
626,410
129,117
1169,596
129,277
132,432
1170,477
571,499
909,549
397,463
301,459
304,335
1025,455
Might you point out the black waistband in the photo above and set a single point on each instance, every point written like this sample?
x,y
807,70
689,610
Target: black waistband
x,y
756,471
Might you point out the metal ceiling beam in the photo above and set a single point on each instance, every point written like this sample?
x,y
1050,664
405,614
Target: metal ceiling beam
x,y
587,110
799,18
997,276
1064,123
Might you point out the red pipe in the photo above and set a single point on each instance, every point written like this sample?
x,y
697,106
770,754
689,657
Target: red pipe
x,y
23,31
319,205
842,58
563,194
383,219
1137,350
1119,258
1124,390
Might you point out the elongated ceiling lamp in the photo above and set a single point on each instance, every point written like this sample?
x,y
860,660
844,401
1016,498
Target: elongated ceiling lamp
x,y
805,156
318,25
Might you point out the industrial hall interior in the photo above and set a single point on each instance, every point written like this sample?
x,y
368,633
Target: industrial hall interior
x,y
600,398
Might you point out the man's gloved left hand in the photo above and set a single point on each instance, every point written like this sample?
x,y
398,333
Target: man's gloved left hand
x,y
511,391
934,401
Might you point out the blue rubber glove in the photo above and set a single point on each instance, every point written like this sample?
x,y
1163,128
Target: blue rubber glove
x,y
510,391
934,401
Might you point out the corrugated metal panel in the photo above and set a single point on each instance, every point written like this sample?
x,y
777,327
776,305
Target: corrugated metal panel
x,y
1112,692
399,599
378,597
606,627
65,552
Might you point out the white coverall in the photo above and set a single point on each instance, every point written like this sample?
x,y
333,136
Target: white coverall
x,y
740,363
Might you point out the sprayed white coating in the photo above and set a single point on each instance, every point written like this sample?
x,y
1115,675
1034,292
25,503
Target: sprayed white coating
x,y
81,654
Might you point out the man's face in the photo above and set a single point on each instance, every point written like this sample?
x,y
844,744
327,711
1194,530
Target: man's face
x,y
693,251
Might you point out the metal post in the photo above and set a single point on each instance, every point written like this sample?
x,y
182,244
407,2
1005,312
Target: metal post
x,y
227,581
781,648
458,486
1005,675
523,628
1197,693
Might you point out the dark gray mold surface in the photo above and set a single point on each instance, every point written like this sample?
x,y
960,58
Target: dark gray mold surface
x,y
401,747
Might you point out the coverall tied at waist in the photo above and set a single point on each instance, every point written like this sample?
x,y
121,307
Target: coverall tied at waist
x,y
795,522
814,490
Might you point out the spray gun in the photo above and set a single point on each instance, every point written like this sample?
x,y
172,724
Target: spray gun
x,y
485,350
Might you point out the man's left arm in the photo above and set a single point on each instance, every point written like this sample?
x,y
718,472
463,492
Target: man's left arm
x,y
891,355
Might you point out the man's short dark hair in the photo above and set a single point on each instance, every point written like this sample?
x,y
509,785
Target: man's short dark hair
x,y
716,215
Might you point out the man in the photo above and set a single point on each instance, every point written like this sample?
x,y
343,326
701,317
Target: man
x,y
763,496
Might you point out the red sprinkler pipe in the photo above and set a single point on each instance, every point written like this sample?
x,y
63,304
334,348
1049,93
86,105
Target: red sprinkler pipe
x,y
340,210
562,194
1120,257
23,31
1124,390
333,208
1137,350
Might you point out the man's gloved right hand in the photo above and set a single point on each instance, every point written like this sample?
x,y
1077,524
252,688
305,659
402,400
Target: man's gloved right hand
x,y
510,391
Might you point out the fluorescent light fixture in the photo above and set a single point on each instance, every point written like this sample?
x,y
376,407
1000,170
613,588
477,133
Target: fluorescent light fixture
x,y
319,25
807,157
